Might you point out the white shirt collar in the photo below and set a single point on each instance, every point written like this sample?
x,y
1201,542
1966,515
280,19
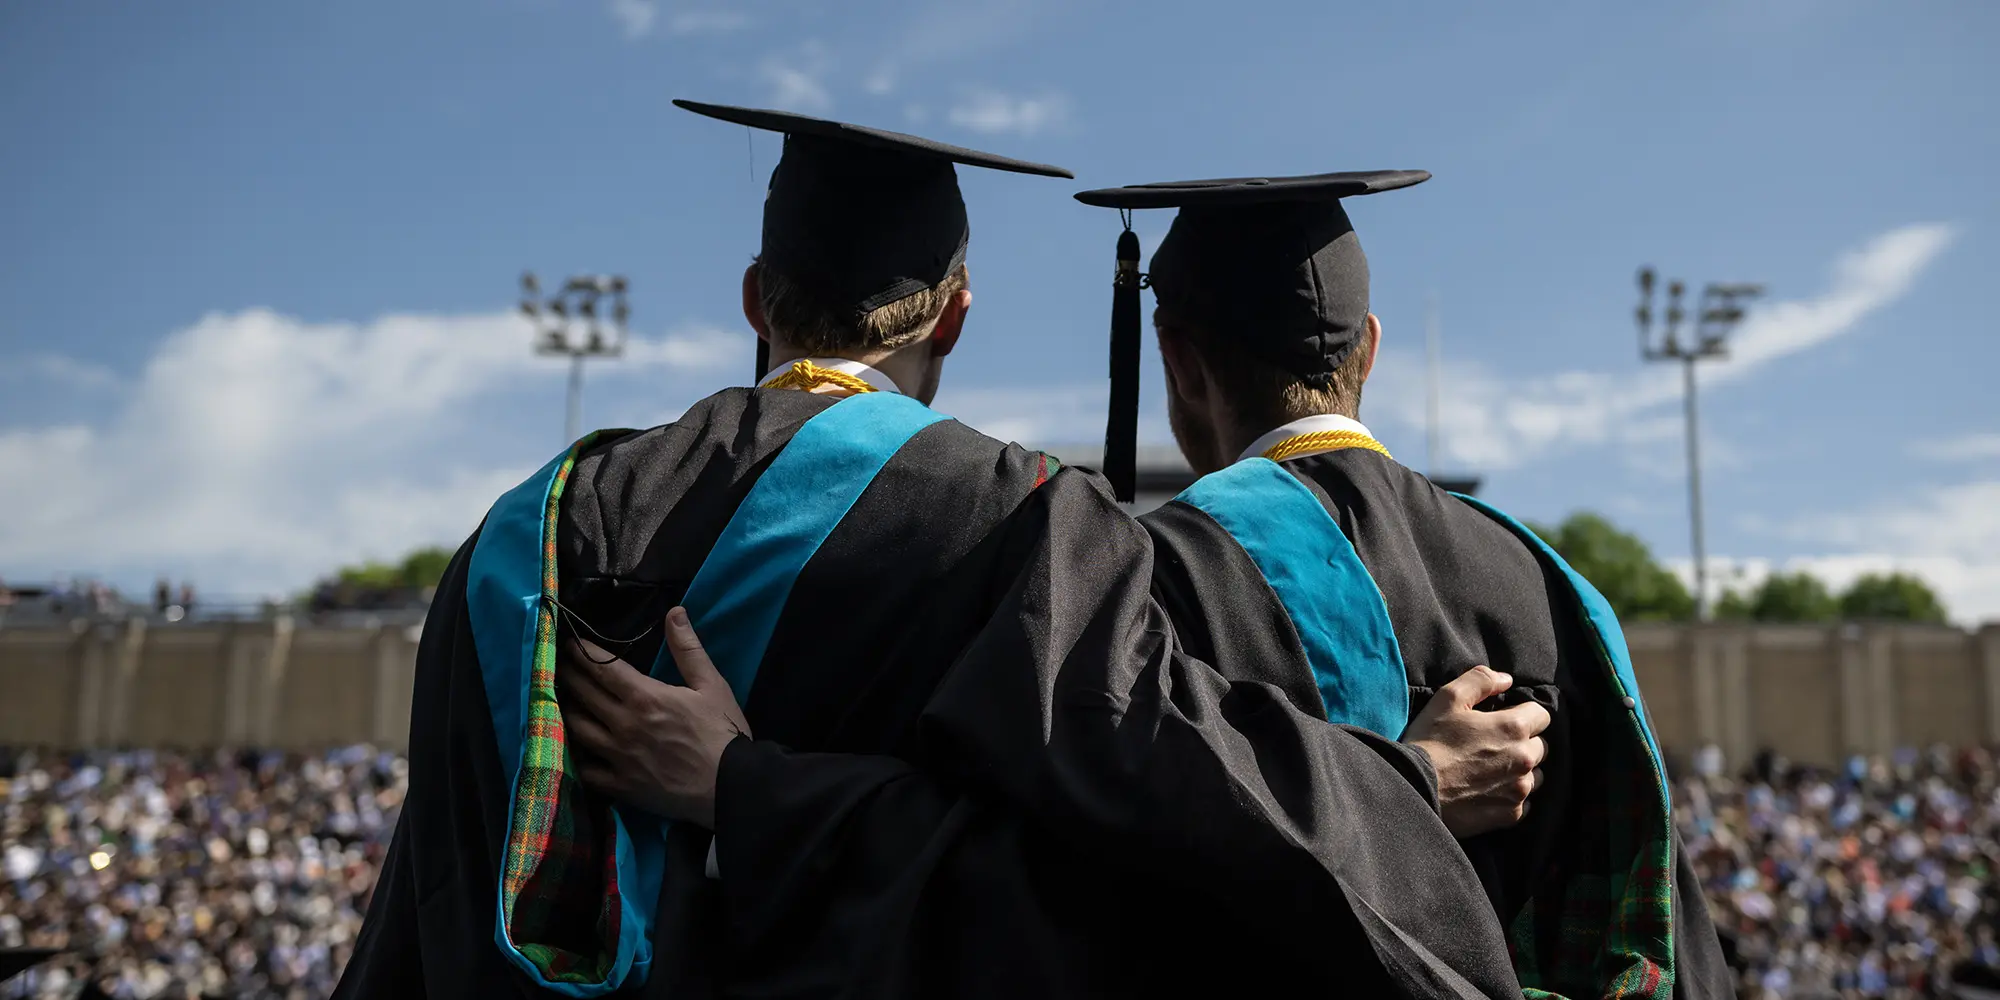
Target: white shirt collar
x,y
1304,425
865,373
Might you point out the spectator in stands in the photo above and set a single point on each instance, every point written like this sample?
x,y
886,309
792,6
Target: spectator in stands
x,y
169,875
1873,881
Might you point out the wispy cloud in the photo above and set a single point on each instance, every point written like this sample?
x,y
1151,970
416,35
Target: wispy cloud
x,y
1496,423
639,18
1949,536
706,22
796,80
1962,519
255,451
941,31
1062,416
636,17
1038,415
992,111
59,370
1967,448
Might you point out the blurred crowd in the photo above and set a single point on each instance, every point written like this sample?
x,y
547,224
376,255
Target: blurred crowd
x,y
246,875
1876,880
171,875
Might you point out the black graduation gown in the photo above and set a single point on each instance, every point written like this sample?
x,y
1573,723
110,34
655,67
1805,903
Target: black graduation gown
x,y
1083,765
1461,589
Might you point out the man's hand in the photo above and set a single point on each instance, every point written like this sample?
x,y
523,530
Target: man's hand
x,y
1488,763
647,743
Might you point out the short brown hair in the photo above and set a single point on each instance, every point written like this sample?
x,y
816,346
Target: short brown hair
x,y
1261,393
808,322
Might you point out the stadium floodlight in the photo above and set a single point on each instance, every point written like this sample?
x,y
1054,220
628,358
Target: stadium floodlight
x,y
567,323
1722,306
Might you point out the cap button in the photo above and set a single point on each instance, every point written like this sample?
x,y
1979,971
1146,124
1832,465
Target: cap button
x,y
1630,703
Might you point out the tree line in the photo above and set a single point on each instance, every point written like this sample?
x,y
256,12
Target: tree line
x,y
1639,588
1642,590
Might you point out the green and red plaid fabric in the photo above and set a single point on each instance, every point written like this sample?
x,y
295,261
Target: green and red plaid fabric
x,y
560,893
1601,925
1045,467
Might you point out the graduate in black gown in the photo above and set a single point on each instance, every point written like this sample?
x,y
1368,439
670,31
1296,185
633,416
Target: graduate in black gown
x,y
952,661
784,518
1265,329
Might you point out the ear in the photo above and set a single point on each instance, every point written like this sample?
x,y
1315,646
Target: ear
x,y
950,323
1186,378
1374,345
753,302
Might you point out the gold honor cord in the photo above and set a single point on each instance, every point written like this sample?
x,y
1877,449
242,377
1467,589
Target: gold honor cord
x,y
808,376
1318,441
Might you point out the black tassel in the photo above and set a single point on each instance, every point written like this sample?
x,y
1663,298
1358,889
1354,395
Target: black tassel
x,y
1121,427
763,360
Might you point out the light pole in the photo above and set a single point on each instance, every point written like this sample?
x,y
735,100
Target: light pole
x,y
555,320
1718,312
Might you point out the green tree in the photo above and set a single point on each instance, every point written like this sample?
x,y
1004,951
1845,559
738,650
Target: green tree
x,y
1732,606
1782,597
423,568
417,572
1621,567
1891,597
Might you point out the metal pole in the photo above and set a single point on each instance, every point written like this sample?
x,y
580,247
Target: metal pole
x,y
573,425
1694,493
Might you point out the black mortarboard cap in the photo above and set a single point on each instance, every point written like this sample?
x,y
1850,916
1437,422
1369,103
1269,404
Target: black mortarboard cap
x,y
14,961
1269,262
862,216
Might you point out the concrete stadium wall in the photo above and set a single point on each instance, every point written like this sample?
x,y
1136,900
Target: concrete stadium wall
x,y
269,684
1812,693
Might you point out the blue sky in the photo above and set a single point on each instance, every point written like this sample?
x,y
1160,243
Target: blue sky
x,y
258,258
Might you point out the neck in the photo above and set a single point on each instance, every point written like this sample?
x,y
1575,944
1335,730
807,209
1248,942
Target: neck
x,y
904,366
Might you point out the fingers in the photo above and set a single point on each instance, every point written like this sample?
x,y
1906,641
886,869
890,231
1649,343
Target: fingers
x,y
588,733
1538,751
594,664
1474,686
697,670
1522,721
597,775
579,679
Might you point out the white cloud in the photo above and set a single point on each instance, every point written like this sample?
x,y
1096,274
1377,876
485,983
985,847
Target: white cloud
x,y
54,368
945,31
992,111
880,81
1496,423
1036,415
1061,417
1959,520
1949,536
796,81
1969,448
256,451
636,17
707,22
